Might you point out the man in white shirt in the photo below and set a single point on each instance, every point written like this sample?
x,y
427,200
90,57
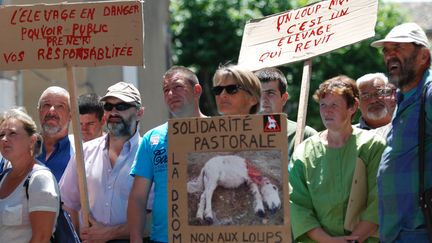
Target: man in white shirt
x,y
108,161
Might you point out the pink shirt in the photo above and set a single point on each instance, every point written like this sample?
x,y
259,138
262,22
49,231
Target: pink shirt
x,y
108,187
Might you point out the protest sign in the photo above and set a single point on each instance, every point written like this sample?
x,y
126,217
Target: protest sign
x,y
241,163
68,35
306,32
75,34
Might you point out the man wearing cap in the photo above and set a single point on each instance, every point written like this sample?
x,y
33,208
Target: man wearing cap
x,y
407,58
181,94
108,160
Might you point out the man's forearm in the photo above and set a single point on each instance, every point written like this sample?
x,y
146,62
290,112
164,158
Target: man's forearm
x,y
136,221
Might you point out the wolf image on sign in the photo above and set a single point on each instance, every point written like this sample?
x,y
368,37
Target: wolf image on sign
x,y
231,171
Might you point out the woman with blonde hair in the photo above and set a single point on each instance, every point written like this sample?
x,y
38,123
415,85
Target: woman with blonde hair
x,y
28,212
237,90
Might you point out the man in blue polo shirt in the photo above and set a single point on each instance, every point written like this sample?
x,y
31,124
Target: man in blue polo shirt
x,y
182,91
54,116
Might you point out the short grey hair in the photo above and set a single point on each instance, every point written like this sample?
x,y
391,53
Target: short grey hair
x,y
57,90
372,77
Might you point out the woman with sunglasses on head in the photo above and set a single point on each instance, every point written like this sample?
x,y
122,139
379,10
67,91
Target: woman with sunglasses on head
x,y
29,194
322,171
237,90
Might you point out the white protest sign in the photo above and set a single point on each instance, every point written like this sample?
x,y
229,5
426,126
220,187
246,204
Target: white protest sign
x,y
75,34
306,32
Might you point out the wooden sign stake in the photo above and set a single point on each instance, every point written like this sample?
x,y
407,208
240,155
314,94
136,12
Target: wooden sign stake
x,y
82,181
304,95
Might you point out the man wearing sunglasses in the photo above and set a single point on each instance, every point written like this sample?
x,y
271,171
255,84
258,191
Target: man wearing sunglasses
x,y
273,99
108,161
377,102
181,91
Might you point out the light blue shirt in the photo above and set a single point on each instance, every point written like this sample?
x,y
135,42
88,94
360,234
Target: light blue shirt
x,y
152,164
108,187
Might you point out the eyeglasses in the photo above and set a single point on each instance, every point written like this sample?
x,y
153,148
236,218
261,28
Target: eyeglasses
x,y
379,93
119,106
230,89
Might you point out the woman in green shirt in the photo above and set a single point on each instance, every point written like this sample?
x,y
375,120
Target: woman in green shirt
x,y
322,169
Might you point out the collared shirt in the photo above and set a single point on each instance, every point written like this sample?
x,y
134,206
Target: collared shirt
x,y
382,130
59,158
321,179
398,181
362,124
152,164
108,187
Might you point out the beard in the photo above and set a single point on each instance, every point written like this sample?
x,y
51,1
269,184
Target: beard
x,y
122,128
378,115
406,72
51,130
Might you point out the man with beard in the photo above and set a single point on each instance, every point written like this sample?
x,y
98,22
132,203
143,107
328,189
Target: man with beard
x,y
108,160
54,116
181,94
377,102
407,58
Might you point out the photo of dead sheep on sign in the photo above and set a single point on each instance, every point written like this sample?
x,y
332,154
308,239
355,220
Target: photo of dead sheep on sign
x,y
235,188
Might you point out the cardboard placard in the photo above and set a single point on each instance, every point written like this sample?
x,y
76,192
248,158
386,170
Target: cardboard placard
x,y
244,158
306,32
74,34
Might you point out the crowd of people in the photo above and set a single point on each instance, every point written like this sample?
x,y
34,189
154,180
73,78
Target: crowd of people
x,y
127,174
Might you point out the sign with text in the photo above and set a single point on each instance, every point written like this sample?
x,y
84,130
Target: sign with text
x,y
75,34
306,32
228,180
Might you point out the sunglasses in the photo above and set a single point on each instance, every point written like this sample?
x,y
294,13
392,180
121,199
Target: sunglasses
x,y
230,89
119,106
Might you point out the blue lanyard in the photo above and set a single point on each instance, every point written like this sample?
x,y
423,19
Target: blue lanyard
x,y
3,171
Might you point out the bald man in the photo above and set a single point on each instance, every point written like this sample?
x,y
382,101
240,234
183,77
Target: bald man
x,y
54,117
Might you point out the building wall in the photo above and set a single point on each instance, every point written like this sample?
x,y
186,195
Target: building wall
x,y
98,79
419,12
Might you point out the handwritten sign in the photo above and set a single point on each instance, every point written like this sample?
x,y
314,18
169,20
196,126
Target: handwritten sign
x,y
244,160
76,34
306,32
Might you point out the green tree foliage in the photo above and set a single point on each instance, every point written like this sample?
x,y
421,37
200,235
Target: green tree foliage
x,y
207,33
